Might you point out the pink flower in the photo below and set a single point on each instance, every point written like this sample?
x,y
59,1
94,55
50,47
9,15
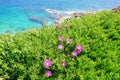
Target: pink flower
x,y
48,73
74,53
79,47
61,38
60,47
57,24
68,41
47,63
67,26
79,50
64,64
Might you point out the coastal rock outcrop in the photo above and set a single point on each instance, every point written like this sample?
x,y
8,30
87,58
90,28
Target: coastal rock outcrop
x,y
78,15
37,19
116,9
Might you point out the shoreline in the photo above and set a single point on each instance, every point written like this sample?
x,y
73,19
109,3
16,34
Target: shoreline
x,y
75,14
61,15
79,14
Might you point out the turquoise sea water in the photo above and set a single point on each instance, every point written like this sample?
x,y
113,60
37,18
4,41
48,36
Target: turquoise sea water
x,y
15,14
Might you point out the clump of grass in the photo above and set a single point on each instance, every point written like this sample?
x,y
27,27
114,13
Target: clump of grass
x,y
22,55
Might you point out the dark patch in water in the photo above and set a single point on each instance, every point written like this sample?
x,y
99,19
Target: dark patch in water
x,y
20,29
8,31
37,19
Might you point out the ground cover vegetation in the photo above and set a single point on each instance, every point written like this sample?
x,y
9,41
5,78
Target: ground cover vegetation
x,y
79,49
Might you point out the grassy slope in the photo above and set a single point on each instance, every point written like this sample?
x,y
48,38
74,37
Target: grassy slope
x,y
22,55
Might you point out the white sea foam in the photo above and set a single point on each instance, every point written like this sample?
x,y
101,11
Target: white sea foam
x,y
52,11
60,11
67,12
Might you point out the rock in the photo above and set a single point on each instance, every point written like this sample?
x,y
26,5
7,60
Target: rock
x,y
68,19
37,19
75,15
61,20
116,9
78,15
8,31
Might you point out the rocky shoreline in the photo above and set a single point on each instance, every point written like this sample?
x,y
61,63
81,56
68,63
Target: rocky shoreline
x,y
75,15
79,14
61,16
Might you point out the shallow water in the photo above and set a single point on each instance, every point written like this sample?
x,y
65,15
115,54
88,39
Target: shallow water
x,y
15,14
